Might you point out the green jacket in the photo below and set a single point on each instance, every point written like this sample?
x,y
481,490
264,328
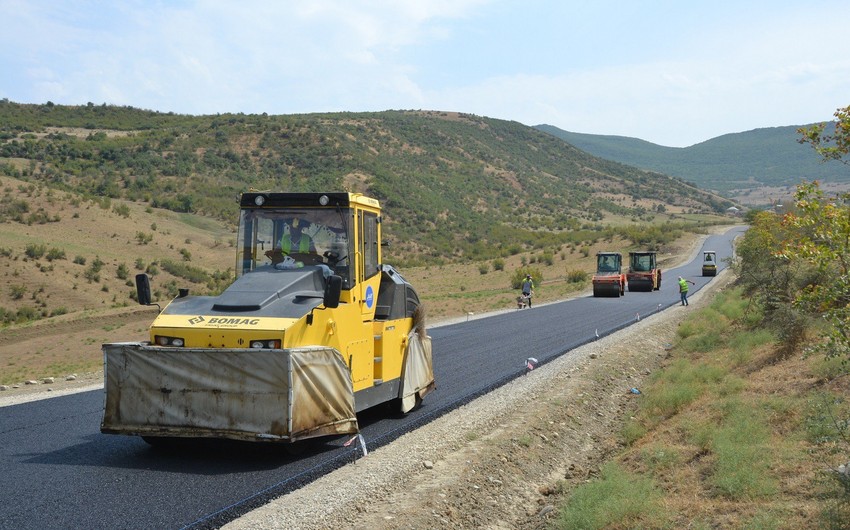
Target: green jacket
x,y
305,244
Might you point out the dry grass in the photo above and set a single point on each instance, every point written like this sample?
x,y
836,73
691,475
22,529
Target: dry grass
x,y
748,451
93,312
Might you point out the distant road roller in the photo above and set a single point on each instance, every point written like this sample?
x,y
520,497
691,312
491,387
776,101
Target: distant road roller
x,y
709,263
644,274
609,279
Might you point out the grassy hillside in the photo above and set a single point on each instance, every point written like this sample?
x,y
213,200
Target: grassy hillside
x,y
475,178
91,195
71,254
728,163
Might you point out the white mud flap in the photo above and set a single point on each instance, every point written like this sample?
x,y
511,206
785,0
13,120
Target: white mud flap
x,y
242,394
418,377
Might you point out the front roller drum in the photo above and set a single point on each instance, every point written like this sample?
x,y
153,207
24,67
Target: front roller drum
x,y
606,290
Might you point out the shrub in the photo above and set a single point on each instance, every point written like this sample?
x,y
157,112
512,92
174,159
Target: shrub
x,y
144,238
18,291
55,253
25,314
122,272
519,275
577,276
92,274
35,251
122,209
193,274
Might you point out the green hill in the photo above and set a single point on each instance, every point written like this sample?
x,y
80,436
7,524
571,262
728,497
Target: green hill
x,y
739,161
454,186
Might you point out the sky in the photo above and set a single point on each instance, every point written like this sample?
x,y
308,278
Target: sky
x,y
672,72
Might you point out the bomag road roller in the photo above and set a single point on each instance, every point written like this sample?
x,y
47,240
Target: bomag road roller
x,y
609,279
709,263
643,274
314,329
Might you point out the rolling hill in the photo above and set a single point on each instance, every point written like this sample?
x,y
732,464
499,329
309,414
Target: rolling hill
x,y
93,194
730,163
480,181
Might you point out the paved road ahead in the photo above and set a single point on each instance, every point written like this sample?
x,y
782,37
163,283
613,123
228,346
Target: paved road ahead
x,y
59,471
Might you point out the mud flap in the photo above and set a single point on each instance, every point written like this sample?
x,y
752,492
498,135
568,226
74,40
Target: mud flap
x,y
242,394
418,376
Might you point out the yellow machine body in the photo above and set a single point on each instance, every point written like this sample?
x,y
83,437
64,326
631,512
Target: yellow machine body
x,y
709,263
311,332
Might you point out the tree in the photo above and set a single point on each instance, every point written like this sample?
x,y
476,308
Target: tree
x,y
833,146
800,264
821,227
771,279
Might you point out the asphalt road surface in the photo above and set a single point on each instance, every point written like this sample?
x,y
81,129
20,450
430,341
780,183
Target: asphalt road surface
x,y
58,471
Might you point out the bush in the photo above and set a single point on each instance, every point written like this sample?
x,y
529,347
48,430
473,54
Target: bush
x,y
35,251
55,253
519,275
25,314
92,274
18,291
193,274
144,238
577,276
122,209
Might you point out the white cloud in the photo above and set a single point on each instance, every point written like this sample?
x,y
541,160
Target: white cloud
x,y
672,76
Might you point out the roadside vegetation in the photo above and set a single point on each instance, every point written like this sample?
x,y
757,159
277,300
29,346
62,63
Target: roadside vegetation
x,y
748,423
734,432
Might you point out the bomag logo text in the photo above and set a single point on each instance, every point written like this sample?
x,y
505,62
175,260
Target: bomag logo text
x,y
221,321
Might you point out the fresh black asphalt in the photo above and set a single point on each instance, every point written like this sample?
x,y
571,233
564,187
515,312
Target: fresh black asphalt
x,y
58,471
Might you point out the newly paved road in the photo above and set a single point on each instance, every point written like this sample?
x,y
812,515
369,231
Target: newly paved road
x,y
58,471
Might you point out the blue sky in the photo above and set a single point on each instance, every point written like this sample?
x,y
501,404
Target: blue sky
x,y
674,73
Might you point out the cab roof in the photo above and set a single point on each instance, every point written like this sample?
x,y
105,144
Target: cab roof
x,y
304,200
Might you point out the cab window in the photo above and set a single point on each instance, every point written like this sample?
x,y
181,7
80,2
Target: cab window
x,y
370,244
